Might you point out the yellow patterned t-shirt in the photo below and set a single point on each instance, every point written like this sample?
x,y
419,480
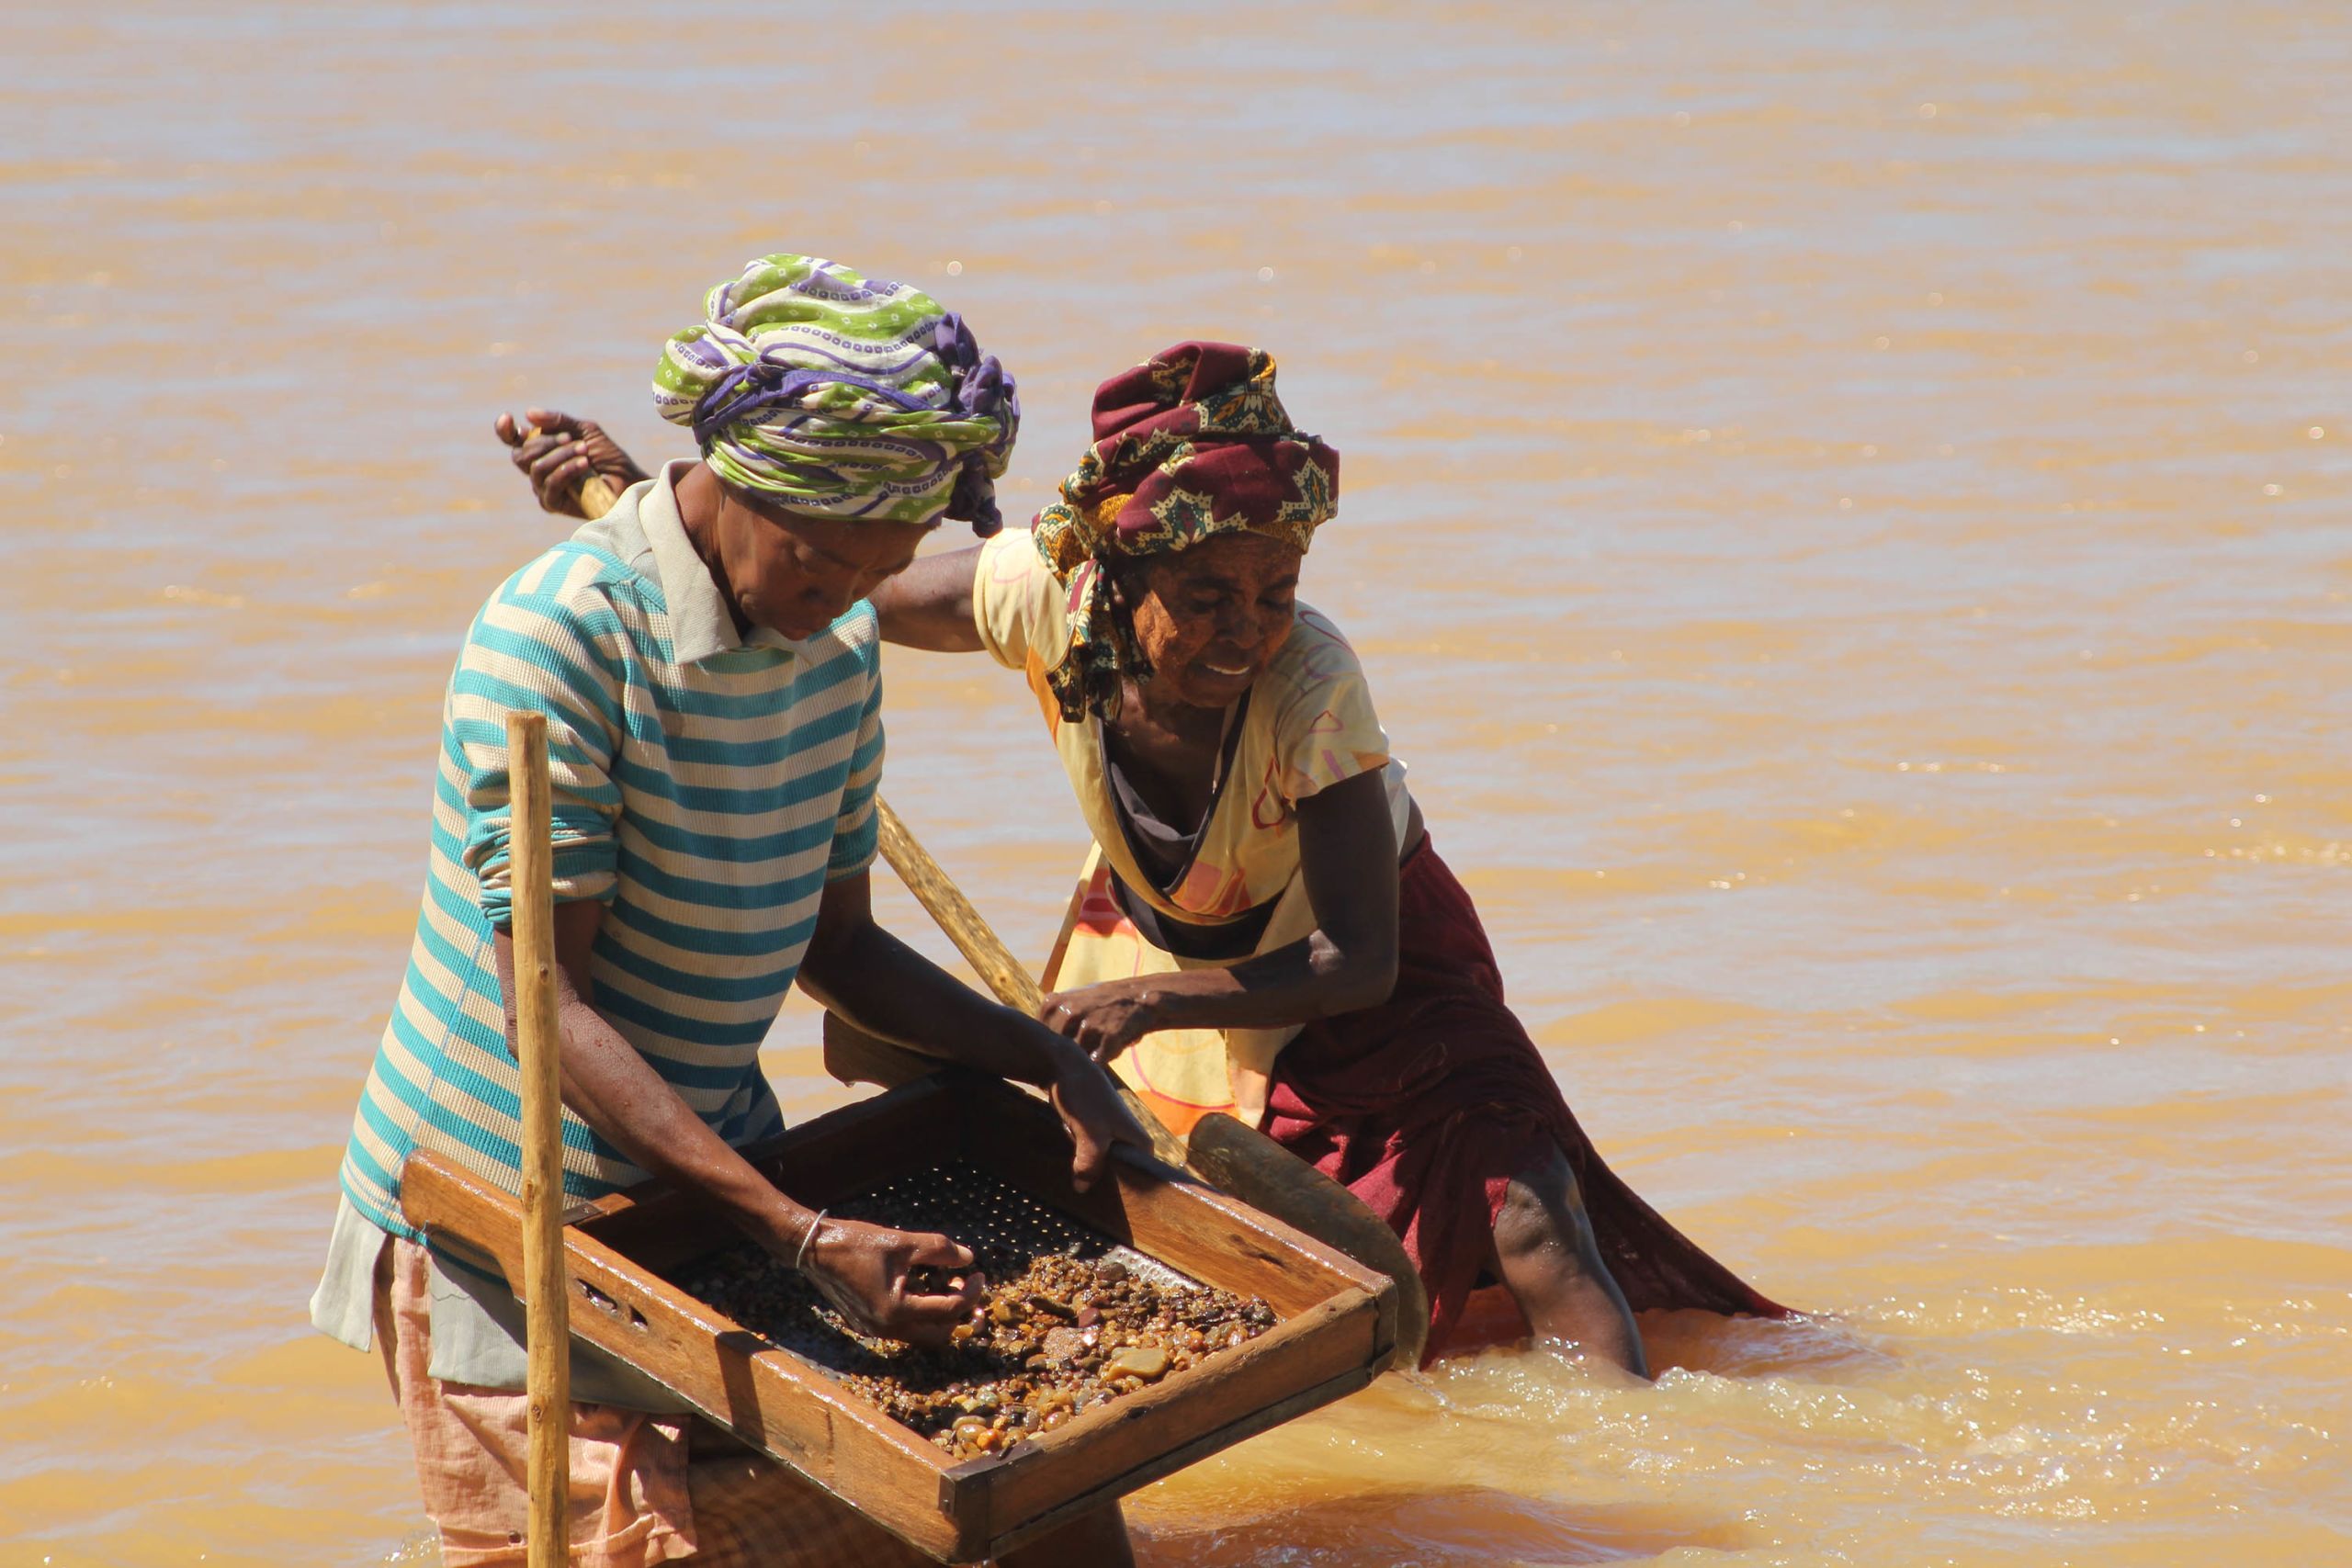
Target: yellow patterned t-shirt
x,y
1309,725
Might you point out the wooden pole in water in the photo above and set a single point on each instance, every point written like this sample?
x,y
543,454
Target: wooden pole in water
x,y
539,1047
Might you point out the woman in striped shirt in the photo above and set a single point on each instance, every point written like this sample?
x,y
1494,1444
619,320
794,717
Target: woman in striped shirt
x,y
707,666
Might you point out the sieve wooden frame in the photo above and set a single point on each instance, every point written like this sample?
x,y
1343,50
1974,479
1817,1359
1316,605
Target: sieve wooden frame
x,y
1337,1328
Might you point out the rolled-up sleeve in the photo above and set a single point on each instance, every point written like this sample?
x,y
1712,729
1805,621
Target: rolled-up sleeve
x,y
1325,729
1021,613
554,655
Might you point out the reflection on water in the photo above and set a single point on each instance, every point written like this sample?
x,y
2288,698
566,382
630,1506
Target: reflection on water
x,y
1839,512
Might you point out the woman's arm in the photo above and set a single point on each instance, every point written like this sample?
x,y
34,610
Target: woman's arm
x,y
928,605
888,989
1347,847
861,1269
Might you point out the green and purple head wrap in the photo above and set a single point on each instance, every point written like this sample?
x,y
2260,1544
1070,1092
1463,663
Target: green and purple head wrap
x,y
840,395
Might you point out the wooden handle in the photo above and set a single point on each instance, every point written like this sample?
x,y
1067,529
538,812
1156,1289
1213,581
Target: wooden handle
x,y
539,1047
596,496
979,945
988,955
1229,1155
1234,1156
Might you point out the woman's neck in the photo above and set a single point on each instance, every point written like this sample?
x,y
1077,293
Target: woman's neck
x,y
1149,705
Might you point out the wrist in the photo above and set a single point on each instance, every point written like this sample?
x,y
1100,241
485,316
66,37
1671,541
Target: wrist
x,y
1059,1055
1158,1006
778,1223
800,1253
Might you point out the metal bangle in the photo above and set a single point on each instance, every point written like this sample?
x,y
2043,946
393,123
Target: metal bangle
x,y
806,1237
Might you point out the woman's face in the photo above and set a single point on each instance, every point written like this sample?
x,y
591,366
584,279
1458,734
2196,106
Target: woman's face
x,y
797,573
1212,617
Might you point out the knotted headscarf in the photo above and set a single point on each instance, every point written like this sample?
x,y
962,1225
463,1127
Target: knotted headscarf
x,y
843,395
1189,444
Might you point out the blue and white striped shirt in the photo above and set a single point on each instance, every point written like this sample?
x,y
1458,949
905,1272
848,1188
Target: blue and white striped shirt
x,y
704,788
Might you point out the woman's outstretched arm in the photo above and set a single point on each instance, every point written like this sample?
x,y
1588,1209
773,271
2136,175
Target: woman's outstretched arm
x,y
928,605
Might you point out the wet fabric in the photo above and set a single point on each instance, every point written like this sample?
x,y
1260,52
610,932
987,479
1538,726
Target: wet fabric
x,y
1189,444
645,1489
843,395
1426,1106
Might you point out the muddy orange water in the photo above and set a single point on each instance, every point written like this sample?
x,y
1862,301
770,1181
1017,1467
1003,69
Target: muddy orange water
x,y
1845,512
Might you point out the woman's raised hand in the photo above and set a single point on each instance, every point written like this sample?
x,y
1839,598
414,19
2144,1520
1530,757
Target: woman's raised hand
x,y
865,1272
556,452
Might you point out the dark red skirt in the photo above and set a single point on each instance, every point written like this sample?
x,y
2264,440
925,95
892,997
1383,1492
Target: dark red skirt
x,y
1426,1106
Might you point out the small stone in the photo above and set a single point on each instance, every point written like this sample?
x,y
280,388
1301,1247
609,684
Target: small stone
x,y
1149,1362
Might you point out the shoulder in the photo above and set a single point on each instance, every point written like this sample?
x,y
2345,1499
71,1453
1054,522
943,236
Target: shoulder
x,y
619,535
572,605
851,649
1319,712
1021,609
575,579
1316,659
856,635
1010,567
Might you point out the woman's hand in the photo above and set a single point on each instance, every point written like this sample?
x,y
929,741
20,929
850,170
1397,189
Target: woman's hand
x,y
558,452
863,1272
1091,1112
1105,1020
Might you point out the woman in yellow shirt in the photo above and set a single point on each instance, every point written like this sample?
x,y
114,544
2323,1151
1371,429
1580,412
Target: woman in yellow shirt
x,y
1262,925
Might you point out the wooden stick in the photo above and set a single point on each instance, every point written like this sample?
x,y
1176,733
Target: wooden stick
x,y
973,938
987,953
596,496
539,1047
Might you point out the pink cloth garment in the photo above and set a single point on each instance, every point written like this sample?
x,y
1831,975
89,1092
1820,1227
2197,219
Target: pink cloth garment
x,y
645,1489
1426,1106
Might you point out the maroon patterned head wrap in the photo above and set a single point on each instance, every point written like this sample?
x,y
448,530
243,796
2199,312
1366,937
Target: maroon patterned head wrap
x,y
1189,444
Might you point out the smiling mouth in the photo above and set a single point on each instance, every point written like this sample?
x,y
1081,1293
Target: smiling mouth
x,y
1221,670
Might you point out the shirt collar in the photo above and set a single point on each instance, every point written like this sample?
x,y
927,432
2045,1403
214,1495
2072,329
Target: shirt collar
x,y
700,624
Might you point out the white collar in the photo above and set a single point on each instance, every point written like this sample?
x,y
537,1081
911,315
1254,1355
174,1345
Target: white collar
x,y
700,623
